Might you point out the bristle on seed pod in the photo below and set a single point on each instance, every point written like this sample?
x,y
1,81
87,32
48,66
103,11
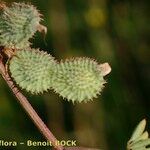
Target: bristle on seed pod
x,y
33,70
79,79
18,23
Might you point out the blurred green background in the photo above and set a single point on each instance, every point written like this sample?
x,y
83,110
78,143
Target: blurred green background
x,y
113,31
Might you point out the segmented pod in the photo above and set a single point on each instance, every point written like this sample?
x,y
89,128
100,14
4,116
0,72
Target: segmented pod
x,y
18,23
79,79
33,70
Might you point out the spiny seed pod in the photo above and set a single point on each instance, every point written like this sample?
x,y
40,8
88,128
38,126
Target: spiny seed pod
x,y
18,23
33,70
79,79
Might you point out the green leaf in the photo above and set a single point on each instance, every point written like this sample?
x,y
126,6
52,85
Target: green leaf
x,y
140,144
139,130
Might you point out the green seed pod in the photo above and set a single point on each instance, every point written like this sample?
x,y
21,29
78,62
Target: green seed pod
x,y
18,23
32,70
79,79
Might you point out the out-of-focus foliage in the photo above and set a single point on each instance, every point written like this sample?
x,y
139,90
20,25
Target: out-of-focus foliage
x,y
113,31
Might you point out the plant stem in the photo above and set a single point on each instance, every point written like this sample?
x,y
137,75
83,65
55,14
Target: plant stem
x,y
28,108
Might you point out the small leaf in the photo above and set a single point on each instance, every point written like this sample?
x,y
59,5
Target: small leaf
x,y
140,144
144,136
139,130
140,149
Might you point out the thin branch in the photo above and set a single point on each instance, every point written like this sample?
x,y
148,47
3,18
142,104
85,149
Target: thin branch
x,y
28,108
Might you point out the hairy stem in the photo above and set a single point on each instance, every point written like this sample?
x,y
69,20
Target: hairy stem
x,y
28,108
